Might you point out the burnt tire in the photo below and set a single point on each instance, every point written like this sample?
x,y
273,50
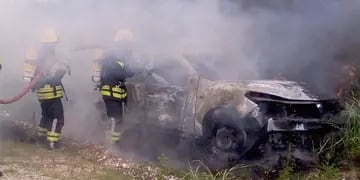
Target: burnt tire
x,y
228,135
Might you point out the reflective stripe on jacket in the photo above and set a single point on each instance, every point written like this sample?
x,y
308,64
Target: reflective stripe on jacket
x,y
115,91
49,92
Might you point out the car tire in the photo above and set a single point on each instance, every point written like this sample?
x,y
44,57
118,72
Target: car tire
x,y
227,134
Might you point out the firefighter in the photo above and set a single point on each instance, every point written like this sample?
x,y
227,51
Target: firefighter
x,y
113,75
50,91
114,92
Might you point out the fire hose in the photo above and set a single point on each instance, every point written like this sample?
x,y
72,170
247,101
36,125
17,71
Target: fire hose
x,y
26,89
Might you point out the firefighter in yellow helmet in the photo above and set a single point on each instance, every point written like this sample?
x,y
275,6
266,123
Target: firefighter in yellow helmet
x,y
50,91
113,75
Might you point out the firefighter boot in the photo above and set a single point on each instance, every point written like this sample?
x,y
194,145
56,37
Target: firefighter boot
x,y
53,136
115,136
115,140
53,140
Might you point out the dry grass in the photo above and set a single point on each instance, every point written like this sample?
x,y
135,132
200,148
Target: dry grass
x,y
27,161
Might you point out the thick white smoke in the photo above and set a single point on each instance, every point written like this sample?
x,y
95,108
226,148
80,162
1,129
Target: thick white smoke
x,y
254,39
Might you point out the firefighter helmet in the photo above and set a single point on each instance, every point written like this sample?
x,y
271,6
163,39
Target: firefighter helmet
x,y
124,34
49,36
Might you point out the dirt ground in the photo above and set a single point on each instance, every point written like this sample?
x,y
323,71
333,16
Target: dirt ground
x,y
29,161
22,158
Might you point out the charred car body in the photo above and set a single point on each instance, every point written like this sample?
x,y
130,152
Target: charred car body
x,y
246,121
276,117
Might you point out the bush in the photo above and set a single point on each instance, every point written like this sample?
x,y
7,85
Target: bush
x,y
352,128
346,145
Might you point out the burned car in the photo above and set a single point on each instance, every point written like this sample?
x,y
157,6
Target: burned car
x,y
234,122
269,119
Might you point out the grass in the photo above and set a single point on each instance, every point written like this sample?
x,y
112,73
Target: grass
x,y
166,170
111,174
325,172
336,149
346,146
287,171
196,174
200,171
330,172
352,128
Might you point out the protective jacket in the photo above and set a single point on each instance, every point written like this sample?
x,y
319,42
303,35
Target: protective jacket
x,y
50,87
112,79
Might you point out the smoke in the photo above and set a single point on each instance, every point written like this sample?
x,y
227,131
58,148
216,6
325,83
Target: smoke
x,y
304,41
224,39
251,40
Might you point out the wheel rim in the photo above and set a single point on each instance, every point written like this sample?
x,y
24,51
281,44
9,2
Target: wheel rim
x,y
224,139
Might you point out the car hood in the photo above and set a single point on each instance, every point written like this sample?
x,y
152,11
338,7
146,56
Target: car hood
x,y
284,89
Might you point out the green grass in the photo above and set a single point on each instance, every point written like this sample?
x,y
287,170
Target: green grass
x,y
330,172
345,147
200,171
352,128
287,171
196,174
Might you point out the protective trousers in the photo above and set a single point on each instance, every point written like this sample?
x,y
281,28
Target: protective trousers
x,y
51,109
115,110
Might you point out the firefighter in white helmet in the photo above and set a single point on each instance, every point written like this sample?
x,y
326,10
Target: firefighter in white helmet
x,y
50,90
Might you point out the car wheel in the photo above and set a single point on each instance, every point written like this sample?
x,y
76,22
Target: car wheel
x,y
229,139
228,135
228,142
